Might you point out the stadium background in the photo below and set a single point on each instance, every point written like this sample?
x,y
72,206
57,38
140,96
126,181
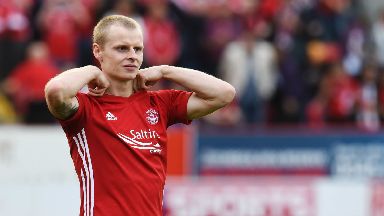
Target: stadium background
x,y
311,145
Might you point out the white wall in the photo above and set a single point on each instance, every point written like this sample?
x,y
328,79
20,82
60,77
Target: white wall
x,y
36,173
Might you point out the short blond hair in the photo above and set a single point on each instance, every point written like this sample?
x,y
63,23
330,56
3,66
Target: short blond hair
x,y
101,28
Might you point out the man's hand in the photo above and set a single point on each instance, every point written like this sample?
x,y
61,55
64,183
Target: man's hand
x,y
148,77
99,85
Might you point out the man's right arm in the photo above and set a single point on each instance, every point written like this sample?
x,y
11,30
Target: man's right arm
x,y
60,92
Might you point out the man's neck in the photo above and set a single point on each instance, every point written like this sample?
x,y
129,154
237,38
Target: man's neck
x,y
122,89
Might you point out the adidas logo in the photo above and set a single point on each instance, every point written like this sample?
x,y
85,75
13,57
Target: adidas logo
x,y
110,117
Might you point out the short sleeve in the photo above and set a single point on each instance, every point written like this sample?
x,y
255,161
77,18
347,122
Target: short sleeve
x,y
76,121
175,102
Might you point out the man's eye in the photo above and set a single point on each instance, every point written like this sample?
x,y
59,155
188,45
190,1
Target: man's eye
x,y
122,48
137,49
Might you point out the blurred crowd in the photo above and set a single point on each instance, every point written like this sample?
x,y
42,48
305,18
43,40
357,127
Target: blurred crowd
x,y
312,62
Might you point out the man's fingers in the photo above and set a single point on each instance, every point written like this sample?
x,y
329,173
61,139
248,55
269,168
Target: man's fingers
x,y
93,94
150,84
143,84
135,87
139,83
96,91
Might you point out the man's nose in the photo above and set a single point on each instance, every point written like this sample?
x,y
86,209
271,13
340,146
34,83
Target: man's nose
x,y
131,54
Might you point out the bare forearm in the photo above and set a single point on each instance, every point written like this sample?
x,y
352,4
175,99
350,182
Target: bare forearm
x,y
209,93
71,81
204,85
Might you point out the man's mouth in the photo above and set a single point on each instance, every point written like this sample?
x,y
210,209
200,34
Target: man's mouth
x,y
130,67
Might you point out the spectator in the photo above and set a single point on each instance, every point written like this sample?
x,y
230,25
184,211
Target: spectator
x,y
127,8
84,42
26,84
249,64
15,33
124,7
61,22
378,38
355,53
367,107
316,109
288,99
343,91
381,93
221,27
164,45
323,32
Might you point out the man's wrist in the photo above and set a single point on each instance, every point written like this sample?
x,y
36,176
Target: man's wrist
x,y
165,70
93,70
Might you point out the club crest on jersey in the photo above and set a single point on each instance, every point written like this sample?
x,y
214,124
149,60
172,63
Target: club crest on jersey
x,y
152,116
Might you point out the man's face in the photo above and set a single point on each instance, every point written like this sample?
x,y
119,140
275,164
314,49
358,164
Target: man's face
x,y
122,54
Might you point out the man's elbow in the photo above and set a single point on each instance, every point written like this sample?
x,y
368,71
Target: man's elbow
x,y
227,95
54,90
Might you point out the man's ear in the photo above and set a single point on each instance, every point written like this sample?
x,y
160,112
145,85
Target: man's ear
x,y
97,52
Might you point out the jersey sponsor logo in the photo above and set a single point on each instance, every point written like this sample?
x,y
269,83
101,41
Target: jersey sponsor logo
x,y
152,116
133,140
110,116
144,134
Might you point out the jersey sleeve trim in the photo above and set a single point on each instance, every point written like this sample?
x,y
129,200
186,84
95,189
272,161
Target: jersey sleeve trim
x,y
185,108
77,115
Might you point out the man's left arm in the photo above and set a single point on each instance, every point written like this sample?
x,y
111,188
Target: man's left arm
x,y
209,93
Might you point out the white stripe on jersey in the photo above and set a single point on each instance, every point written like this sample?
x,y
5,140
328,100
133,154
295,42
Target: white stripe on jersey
x,y
84,191
88,181
85,167
90,171
129,140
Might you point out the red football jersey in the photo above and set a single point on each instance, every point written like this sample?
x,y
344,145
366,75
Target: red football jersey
x,y
119,145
